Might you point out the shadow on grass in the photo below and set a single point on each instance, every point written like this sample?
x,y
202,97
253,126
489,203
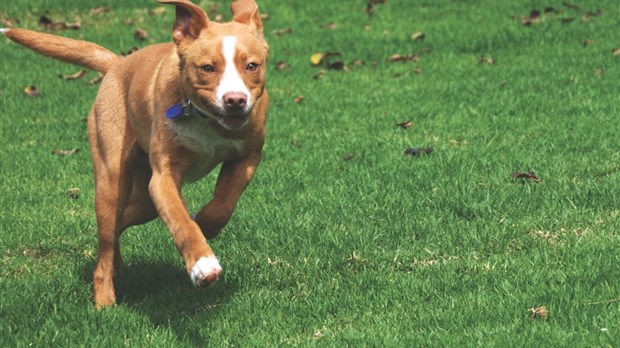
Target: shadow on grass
x,y
163,293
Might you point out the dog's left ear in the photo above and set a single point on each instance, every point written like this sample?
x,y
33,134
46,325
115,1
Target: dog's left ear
x,y
190,20
246,12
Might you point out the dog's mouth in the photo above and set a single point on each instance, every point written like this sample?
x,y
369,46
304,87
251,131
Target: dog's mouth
x,y
232,121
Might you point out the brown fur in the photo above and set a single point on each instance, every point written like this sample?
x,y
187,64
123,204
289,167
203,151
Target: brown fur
x,y
140,161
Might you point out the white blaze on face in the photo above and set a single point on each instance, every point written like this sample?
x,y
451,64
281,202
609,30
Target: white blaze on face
x,y
231,80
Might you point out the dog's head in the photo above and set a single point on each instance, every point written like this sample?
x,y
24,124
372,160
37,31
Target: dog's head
x,y
223,65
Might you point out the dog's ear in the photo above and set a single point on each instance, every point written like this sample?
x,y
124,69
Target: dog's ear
x,y
246,12
190,20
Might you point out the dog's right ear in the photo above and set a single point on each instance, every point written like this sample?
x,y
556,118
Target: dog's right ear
x,y
190,21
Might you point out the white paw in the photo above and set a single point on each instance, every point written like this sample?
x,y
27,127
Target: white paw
x,y
205,272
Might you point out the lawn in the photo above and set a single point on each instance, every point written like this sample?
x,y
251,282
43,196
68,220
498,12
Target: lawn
x,y
353,232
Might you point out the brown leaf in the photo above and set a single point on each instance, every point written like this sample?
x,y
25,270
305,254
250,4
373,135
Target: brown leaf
x,y
616,51
319,75
65,152
337,65
405,124
348,156
73,193
75,76
329,25
370,5
281,65
588,42
534,17
526,176
131,50
298,99
8,22
417,36
417,70
284,31
417,151
96,80
99,10
48,24
141,34
158,10
404,58
486,60
539,312
31,91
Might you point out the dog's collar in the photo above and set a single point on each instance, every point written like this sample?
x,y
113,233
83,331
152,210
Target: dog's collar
x,y
184,110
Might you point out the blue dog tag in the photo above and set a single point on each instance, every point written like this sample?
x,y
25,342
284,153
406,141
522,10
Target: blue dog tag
x,y
174,111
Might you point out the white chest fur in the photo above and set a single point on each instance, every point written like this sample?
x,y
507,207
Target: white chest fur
x,y
209,146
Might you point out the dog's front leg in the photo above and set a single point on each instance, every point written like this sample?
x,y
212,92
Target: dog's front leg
x,y
233,179
165,189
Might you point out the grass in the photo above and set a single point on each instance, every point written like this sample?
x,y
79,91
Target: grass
x,y
341,239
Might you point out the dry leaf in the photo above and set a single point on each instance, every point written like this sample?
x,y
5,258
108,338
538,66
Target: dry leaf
x,y
337,65
317,58
141,34
329,25
48,24
588,42
405,124
417,70
539,312
65,152
348,156
73,193
99,10
9,22
404,58
319,75
417,36
281,65
131,50
31,91
370,5
96,80
616,51
158,10
534,17
75,76
284,31
526,176
298,99
417,151
486,60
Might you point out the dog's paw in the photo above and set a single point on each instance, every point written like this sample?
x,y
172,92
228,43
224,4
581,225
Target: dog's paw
x,y
205,272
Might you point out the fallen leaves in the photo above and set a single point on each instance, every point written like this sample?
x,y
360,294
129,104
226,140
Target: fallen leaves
x,y
65,153
486,60
566,14
50,25
417,36
31,91
405,124
539,312
526,176
141,34
77,75
370,5
73,193
616,51
404,58
418,151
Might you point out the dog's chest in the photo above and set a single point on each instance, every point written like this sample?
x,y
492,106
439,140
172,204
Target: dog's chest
x,y
209,147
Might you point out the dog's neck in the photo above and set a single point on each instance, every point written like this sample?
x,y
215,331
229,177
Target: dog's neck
x,y
185,110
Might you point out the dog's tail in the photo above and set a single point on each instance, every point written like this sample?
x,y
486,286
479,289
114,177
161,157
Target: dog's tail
x,y
83,53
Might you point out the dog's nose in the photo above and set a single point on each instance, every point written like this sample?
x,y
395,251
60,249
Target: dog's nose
x,y
235,99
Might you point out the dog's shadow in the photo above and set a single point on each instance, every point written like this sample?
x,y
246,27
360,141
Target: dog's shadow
x,y
164,293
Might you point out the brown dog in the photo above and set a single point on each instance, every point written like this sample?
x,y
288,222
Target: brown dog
x,y
165,115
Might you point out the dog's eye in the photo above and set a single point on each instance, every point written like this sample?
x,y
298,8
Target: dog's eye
x,y
208,68
251,67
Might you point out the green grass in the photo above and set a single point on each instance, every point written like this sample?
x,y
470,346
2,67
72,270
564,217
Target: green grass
x,y
379,249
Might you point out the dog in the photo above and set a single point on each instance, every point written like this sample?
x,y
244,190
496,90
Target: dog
x,y
165,115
